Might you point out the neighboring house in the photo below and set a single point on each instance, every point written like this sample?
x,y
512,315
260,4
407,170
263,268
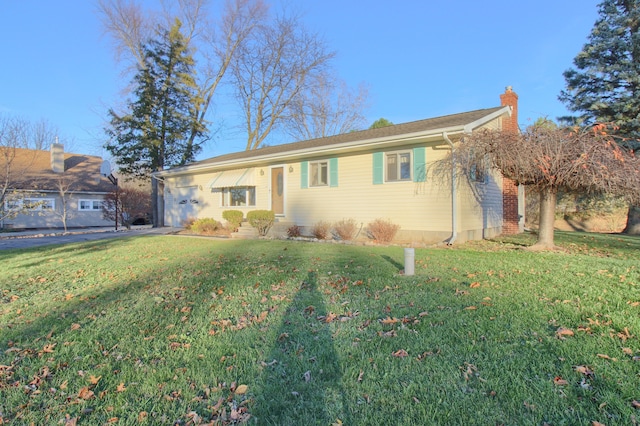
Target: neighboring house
x,y
378,173
43,184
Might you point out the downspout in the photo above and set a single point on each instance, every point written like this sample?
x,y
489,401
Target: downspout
x,y
454,193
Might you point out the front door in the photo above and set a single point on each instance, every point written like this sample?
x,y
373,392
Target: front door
x,y
277,190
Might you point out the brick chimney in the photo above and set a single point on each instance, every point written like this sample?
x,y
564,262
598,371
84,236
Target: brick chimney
x,y
57,157
510,98
510,200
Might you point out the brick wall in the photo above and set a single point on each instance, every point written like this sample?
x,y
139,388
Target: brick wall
x,y
510,215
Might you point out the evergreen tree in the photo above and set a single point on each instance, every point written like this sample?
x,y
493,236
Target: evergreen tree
x,y
604,86
380,122
155,132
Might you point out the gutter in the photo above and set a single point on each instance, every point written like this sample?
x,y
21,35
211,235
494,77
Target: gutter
x,y
454,192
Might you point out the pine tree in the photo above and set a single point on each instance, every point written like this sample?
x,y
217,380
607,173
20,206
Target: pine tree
x,y
604,86
155,132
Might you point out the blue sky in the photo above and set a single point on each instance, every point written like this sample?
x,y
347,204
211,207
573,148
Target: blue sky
x,y
420,59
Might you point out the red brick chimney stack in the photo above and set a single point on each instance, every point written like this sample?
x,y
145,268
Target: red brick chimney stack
x,y
510,98
510,215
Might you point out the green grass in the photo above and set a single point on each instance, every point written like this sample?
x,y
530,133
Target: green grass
x,y
176,330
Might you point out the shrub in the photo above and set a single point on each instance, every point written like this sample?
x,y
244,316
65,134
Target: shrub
x,y
234,218
188,222
321,230
294,231
206,226
383,231
262,220
345,229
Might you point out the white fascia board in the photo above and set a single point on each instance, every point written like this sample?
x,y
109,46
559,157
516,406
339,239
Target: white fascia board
x,y
486,119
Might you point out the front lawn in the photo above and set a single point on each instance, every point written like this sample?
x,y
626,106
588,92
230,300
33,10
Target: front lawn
x,y
177,330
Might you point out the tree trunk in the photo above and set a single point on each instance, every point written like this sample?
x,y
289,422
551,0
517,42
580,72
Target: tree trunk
x,y
633,221
547,218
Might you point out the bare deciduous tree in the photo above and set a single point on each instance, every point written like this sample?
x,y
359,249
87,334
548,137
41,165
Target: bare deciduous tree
x,y
272,70
549,159
133,203
62,210
214,45
328,107
19,139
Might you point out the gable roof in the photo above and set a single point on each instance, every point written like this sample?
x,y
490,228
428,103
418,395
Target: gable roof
x,y
32,171
365,139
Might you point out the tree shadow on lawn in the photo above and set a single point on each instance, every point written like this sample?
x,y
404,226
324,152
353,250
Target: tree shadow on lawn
x,y
302,378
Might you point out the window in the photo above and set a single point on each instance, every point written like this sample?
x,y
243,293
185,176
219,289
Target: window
x,y
13,204
478,172
319,173
90,205
39,204
398,166
238,196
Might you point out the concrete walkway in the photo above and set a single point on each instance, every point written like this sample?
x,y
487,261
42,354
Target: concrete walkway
x,y
42,237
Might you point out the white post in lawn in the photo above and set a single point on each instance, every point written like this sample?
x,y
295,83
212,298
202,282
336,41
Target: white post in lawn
x,y
409,261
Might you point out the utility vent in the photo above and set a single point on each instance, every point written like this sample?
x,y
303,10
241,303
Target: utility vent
x,y
57,158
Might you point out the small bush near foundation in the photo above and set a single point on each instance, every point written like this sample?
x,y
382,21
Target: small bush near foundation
x,y
206,226
262,220
294,231
321,230
234,218
382,230
188,222
345,229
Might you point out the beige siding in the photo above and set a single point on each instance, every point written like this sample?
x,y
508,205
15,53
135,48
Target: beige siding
x,y
422,209
413,206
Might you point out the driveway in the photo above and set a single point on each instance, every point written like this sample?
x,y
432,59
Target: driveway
x,y
28,239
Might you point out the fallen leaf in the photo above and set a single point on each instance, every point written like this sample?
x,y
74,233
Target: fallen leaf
x,y
470,308
142,415
559,381
400,353
474,284
307,376
562,332
583,369
85,393
121,388
595,423
360,376
627,351
635,404
605,356
75,326
48,348
70,421
94,380
389,320
241,390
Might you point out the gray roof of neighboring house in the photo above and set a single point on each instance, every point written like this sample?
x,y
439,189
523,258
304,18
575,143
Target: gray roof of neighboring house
x,y
454,122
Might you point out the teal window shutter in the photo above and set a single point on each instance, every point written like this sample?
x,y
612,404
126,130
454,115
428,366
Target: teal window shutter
x,y
333,172
378,168
304,174
419,164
